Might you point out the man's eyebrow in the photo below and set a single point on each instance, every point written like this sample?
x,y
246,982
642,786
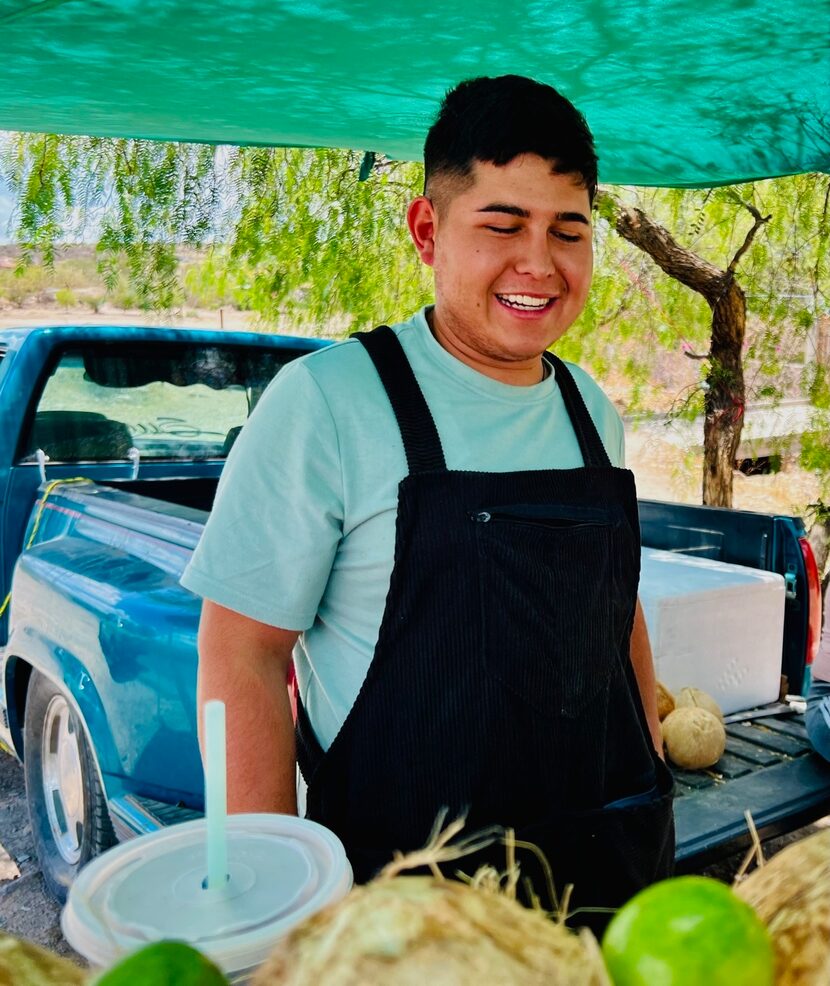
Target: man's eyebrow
x,y
572,217
516,210
510,210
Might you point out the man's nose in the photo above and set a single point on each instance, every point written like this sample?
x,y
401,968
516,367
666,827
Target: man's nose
x,y
536,257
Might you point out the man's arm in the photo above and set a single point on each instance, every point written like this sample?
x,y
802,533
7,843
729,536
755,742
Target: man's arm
x,y
643,664
245,663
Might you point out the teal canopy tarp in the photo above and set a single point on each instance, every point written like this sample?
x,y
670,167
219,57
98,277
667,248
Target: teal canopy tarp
x,y
678,92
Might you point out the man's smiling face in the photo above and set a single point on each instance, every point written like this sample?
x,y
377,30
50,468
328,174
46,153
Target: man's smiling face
x,y
512,256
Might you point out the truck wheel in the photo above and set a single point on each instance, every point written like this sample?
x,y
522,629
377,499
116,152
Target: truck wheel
x,y
67,808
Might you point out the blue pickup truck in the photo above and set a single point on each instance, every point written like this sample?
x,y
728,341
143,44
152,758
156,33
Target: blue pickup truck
x,y
112,444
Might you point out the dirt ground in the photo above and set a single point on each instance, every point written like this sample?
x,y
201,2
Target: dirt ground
x,y
26,910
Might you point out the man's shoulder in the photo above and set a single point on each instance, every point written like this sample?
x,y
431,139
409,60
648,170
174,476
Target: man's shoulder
x,y
347,358
592,392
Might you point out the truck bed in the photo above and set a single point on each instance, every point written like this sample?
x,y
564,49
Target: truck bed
x,y
769,769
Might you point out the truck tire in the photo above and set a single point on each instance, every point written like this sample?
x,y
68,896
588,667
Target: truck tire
x,y
67,808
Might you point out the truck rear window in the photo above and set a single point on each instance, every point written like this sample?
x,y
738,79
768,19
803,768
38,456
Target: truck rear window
x,y
169,401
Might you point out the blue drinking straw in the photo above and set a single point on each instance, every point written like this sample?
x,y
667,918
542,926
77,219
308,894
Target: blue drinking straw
x,y
216,797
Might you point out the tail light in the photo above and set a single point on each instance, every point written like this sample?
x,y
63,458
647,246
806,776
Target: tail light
x,y
813,600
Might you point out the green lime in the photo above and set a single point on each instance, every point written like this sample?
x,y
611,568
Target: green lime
x,y
165,963
688,931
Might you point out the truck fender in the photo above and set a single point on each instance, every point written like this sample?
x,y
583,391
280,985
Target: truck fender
x,y
94,616
80,693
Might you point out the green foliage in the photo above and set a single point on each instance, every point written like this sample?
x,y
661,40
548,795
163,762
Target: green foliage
x,y
688,405
304,242
69,282
815,449
210,283
95,302
817,385
20,286
295,236
66,297
312,243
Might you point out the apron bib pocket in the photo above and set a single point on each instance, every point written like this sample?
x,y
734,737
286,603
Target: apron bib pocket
x,y
532,565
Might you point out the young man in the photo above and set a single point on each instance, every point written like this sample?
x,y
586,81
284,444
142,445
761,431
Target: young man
x,y
434,521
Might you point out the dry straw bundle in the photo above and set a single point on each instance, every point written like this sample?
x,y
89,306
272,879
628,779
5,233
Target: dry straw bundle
x,y
791,894
430,931
25,964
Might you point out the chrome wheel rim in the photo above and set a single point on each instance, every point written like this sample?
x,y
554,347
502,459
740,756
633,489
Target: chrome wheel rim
x,y
63,780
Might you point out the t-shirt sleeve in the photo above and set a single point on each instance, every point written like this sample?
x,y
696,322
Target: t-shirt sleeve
x,y
270,541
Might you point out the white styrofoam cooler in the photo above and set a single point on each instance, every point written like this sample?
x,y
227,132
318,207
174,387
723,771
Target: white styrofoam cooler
x,y
714,626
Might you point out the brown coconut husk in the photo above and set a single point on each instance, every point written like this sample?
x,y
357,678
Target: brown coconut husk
x,y
694,738
791,893
26,964
696,698
665,701
433,931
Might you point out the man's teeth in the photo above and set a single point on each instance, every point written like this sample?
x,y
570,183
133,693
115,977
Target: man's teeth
x,y
524,301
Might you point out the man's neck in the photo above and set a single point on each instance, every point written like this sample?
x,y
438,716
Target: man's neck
x,y
525,373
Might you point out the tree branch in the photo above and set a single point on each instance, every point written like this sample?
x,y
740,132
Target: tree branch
x,y
677,261
823,230
750,236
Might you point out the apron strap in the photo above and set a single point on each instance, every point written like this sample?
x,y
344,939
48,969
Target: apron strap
x,y
309,752
421,441
590,444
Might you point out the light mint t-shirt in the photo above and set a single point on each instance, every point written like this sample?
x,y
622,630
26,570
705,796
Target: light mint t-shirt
x,y
302,532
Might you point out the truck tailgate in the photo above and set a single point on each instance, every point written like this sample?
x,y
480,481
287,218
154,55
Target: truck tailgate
x,y
769,769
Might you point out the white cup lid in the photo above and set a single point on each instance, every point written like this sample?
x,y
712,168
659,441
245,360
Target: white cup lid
x,y
281,869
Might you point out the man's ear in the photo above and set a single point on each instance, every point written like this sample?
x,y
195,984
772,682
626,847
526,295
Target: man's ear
x,y
423,222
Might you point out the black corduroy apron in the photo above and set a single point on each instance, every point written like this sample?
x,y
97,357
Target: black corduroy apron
x,y
501,685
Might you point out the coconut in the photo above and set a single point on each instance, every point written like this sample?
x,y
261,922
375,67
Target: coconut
x,y
665,701
694,738
417,930
22,962
695,698
791,894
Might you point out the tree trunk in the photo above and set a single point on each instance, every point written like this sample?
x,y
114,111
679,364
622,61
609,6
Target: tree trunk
x,y
725,397
725,393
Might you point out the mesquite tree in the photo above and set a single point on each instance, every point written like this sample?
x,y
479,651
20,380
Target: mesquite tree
x,y
725,393
299,237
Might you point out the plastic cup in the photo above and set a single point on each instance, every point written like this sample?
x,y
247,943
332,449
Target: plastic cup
x,y
281,869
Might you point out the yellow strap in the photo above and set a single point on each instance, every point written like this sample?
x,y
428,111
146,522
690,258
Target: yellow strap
x,y
40,508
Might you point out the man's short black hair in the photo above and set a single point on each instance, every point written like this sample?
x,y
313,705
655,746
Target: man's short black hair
x,y
495,120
